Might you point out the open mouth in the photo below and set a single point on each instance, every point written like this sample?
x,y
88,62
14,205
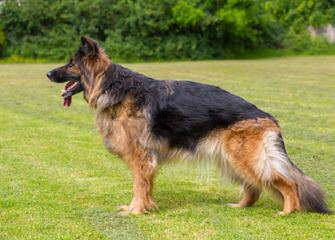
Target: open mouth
x,y
71,88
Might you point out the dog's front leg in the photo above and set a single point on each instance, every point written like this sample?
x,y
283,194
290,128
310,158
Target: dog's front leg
x,y
144,167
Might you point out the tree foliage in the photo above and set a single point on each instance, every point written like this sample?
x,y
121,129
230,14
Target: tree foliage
x,y
2,35
156,29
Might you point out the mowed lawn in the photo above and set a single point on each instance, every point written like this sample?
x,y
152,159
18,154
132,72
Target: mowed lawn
x,y
57,181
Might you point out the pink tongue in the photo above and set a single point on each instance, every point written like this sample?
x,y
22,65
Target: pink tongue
x,y
67,101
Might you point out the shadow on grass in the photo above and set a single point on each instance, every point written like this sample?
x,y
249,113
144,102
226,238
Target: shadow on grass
x,y
168,200
173,200
113,226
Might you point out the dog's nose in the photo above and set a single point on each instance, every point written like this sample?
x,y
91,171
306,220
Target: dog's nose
x,y
49,74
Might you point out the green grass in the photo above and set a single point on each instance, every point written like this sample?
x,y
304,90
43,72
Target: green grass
x,y
58,182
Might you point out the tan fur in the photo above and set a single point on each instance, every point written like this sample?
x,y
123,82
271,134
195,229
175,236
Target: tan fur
x,y
122,128
244,144
92,80
74,69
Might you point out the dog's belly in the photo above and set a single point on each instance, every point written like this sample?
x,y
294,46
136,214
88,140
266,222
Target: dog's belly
x,y
234,149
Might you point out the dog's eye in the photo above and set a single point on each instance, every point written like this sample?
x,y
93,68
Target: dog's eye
x,y
71,64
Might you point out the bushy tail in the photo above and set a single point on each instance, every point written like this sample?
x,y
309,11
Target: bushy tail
x,y
311,196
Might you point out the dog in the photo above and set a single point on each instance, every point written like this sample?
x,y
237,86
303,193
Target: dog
x,y
148,122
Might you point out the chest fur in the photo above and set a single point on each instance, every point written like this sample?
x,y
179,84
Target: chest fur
x,y
122,127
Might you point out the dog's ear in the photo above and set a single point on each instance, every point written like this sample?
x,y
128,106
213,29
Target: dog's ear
x,y
89,47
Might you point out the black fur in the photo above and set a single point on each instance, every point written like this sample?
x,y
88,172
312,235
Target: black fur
x,y
181,111
61,74
312,197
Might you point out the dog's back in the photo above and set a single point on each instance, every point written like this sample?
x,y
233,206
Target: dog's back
x,y
193,110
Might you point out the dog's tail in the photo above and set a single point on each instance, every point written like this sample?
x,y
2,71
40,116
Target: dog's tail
x,y
310,194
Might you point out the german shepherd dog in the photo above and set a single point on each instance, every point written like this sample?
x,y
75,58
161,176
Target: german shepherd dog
x,y
148,122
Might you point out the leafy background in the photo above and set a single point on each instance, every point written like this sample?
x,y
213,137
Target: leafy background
x,y
163,29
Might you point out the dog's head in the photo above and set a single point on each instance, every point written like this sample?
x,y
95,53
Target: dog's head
x,y
75,71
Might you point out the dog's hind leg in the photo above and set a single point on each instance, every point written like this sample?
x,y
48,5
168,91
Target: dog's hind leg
x,y
289,191
260,160
250,196
244,146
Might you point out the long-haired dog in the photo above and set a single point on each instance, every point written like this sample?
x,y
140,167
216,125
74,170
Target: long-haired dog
x,y
148,122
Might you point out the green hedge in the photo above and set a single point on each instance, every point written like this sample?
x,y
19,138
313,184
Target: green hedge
x,y
133,30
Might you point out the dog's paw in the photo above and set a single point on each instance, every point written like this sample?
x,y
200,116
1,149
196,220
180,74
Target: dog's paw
x,y
282,213
125,210
137,206
234,205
